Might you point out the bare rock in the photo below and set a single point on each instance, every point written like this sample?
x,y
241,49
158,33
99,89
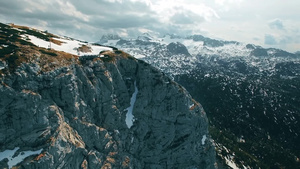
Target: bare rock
x,y
77,115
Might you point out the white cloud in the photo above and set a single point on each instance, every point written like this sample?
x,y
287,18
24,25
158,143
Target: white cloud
x,y
168,8
69,9
227,5
225,2
113,1
33,5
276,24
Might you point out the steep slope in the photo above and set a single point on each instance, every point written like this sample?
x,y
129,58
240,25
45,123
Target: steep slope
x,y
250,94
59,110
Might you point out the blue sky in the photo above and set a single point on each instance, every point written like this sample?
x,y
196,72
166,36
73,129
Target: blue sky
x,y
269,23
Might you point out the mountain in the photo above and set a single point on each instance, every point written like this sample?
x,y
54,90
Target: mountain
x,y
250,94
70,104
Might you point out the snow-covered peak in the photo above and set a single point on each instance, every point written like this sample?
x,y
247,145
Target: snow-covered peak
x,y
145,37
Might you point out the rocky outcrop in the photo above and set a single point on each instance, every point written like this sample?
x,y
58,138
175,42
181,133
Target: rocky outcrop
x,y
177,48
75,116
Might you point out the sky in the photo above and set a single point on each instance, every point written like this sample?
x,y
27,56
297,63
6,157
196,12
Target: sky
x,y
268,23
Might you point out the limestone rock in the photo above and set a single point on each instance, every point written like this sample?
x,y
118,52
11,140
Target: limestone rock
x,y
76,115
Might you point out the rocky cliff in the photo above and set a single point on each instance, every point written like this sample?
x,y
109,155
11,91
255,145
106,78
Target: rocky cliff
x,y
111,112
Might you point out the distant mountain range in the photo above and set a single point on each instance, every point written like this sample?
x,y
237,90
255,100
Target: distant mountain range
x,y
250,93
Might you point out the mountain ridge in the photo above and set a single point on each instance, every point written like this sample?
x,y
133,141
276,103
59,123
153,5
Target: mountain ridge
x,y
62,110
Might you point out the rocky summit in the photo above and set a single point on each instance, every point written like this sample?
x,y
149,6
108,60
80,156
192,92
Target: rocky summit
x,y
114,111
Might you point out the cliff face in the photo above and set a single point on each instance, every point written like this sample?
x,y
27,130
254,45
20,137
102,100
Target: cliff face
x,y
120,113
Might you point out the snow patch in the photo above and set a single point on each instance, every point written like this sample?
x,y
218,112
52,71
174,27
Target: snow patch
x,y
246,167
129,116
97,49
203,139
138,56
230,163
68,45
37,41
191,106
12,161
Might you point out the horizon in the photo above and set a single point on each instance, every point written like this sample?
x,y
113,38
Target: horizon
x,y
271,24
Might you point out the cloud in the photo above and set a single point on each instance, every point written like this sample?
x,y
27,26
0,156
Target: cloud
x,y
69,9
172,10
276,24
222,2
256,39
186,17
124,21
36,11
74,17
107,15
270,40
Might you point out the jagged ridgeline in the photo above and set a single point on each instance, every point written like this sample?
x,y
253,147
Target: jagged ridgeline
x,y
62,110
